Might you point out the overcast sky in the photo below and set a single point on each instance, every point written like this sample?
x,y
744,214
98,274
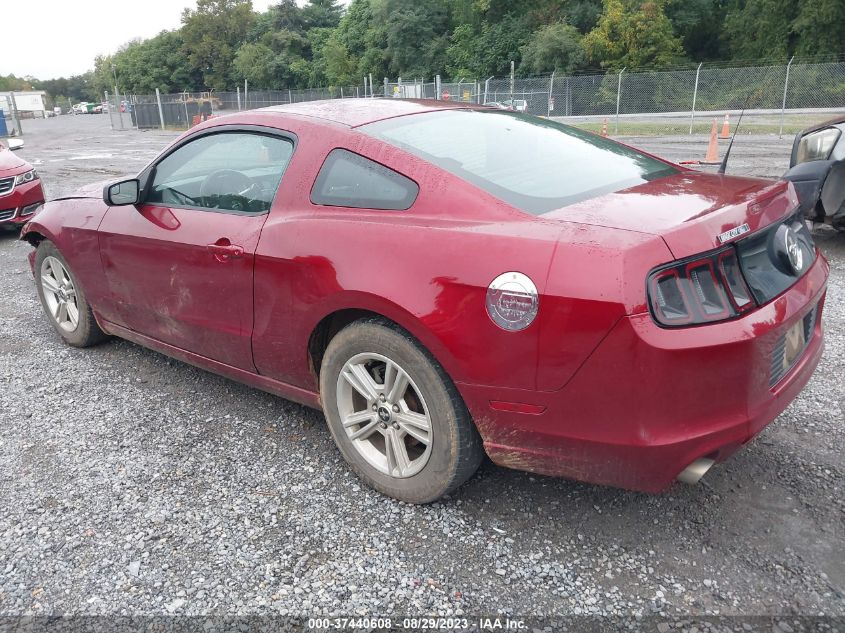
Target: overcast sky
x,y
59,38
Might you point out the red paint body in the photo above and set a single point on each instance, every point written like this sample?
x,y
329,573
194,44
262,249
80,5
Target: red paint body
x,y
14,203
609,397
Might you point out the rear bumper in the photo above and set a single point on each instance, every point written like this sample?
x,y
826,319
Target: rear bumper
x,y
650,401
17,207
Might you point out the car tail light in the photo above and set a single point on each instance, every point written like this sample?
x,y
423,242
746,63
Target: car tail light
x,y
703,289
739,293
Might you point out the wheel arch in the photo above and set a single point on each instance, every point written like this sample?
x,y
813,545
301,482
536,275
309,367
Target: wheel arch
x,y
34,236
333,322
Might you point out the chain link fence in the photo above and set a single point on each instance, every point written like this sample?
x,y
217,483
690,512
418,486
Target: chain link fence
x,y
693,93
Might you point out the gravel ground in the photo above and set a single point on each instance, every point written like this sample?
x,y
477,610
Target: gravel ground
x,y
135,484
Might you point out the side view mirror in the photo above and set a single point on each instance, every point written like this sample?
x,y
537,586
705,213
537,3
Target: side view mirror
x,y
815,145
122,193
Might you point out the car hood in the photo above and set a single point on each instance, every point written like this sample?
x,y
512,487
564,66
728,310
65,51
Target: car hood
x,y
689,210
9,161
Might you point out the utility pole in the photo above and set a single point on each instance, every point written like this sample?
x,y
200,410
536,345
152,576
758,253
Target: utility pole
x,y
513,77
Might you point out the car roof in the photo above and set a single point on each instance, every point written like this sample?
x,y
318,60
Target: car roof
x,y
830,122
355,112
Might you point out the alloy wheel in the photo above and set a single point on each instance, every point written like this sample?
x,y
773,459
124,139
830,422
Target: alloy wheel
x,y
384,415
59,294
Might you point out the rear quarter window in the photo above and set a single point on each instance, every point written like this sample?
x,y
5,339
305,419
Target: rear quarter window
x,y
534,164
349,180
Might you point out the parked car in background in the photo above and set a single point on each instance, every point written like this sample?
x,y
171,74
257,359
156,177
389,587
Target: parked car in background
x,y
20,190
817,169
497,105
518,105
629,324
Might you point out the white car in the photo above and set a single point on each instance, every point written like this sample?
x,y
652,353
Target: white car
x,y
520,105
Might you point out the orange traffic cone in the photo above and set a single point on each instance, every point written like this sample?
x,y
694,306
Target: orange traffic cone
x,y
726,127
712,156
604,128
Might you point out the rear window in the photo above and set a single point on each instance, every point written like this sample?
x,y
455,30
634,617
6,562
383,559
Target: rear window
x,y
350,180
534,164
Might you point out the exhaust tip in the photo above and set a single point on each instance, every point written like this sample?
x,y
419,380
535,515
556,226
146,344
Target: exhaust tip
x,y
695,471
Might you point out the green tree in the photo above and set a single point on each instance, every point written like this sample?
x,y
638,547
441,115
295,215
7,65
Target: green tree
x,y
363,36
321,14
141,66
76,88
212,34
287,16
762,29
416,36
553,47
10,82
633,34
699,24
820,27
488,51
254,62
583,14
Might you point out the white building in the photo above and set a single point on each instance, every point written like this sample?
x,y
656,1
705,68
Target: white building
x,y
30,103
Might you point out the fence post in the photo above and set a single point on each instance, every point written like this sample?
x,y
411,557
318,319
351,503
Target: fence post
x,y
160,111
16,118
111,114
116,97
187,116
487,89
437,87
785,88
239,98
246,94
694,97
551,87
568,99
385,86
290,96
618,97
372,94
117,103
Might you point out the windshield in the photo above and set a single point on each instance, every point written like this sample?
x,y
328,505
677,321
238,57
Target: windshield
x,y
534,164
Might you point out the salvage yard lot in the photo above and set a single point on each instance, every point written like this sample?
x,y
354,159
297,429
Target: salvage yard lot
x,y
135,484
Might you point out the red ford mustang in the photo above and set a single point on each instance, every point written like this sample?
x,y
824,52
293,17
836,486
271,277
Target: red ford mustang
x,y
20,190
445,281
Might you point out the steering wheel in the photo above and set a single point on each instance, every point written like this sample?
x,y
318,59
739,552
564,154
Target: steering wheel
x,y
225,182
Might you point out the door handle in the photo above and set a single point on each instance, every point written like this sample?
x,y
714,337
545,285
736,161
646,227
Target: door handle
x,y
223,250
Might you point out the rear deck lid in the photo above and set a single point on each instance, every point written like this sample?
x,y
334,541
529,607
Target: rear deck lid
x,y
693,212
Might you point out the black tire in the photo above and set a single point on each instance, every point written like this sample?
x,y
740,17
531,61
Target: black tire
x,y
455,446
87,332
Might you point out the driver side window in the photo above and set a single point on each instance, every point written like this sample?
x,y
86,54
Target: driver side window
x,y
224,171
